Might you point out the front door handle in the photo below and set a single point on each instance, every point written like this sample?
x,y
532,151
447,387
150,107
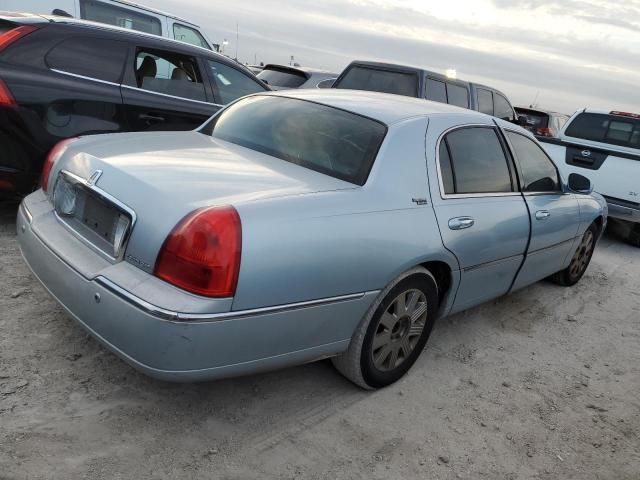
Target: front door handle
x,y
543,214
460,223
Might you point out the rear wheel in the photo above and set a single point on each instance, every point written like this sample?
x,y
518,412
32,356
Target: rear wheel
x,y
580,261
393,333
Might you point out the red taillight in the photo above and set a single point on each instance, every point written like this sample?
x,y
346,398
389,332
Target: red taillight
x,y
55,153
202,253
6,98
544,132
10,36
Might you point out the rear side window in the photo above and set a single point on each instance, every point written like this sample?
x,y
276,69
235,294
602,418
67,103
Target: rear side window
x,y
118,16
502,108
90,57
457,95
321,138
477,163
169,73
232,84
189,35
485,101
282,77
599,127
537,171
436,91
374,80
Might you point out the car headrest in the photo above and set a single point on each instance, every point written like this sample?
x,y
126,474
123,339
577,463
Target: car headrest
x,y
179,74
148,68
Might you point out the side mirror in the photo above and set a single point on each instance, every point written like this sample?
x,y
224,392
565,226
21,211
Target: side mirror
x,y
580,184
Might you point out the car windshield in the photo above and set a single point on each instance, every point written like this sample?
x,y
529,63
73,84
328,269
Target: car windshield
x,y
282,77
318,137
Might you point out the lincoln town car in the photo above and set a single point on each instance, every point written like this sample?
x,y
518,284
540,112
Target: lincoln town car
x,y
299,225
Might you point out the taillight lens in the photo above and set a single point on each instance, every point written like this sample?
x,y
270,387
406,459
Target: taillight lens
x,y
544,132
53,155
10,36
202,253
6,98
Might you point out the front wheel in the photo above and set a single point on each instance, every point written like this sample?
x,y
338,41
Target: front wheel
x,y
393,332
580,261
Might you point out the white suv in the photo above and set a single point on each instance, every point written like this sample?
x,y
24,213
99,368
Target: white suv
x,y
120,13
604,146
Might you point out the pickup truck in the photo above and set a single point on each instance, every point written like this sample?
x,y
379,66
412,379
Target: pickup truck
x,y
604,146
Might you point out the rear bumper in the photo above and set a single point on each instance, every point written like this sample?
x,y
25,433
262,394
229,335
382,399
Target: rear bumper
x,y
217,346
623,211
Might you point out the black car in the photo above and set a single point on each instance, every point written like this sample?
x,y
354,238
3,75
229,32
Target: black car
x,y
542,123
421,83
62,78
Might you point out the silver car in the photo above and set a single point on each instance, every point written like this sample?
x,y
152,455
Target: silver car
x,y
300,225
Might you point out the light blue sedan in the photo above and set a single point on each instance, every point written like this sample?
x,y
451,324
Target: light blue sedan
x,y
301,225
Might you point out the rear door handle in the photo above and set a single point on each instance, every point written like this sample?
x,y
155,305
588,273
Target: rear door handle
x,y
150,118
460,223
543,214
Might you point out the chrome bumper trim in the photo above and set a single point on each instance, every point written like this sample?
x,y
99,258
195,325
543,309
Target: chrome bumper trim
x,y
215,317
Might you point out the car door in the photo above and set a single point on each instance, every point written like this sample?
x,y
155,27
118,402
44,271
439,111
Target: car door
x,y
482,216
555,218
165,89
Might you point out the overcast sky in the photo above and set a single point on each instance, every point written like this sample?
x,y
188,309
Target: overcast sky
x,y
566,53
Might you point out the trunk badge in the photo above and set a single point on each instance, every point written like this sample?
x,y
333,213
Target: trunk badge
x,y
91,181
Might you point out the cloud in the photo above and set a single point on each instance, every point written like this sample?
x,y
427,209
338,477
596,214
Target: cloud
x,y
569,68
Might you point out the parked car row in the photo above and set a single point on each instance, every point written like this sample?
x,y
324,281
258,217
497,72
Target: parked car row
x,y
295,225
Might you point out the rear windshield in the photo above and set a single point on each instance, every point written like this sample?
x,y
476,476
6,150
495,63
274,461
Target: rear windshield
x,y
330,141
601,127
282,78
374,80
534,119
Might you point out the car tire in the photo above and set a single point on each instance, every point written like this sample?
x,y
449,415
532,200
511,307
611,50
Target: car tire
x,y
393,332
580,260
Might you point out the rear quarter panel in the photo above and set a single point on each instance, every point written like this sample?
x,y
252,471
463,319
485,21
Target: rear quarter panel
x,y
335,243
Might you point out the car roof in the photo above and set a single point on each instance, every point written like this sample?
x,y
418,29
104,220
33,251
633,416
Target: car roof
x,y
105,27
603,111
298,68
424,72
384,107
538,110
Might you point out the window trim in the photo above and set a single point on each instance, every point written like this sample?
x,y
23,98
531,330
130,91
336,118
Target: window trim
x,y
560,191
515,184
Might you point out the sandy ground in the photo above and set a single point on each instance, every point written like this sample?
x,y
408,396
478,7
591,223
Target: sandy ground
x,y
542,384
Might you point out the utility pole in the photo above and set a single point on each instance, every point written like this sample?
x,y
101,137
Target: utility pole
x,y
237,39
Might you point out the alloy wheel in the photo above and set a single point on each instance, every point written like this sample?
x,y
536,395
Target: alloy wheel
x,y
582,256
399,330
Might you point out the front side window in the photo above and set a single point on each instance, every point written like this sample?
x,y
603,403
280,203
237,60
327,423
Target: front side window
x,y
318,137
90,57
537,171
477,162
502,108
485,101
457,95
232,84
120,17
436,91
385,81
169,73
189,35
